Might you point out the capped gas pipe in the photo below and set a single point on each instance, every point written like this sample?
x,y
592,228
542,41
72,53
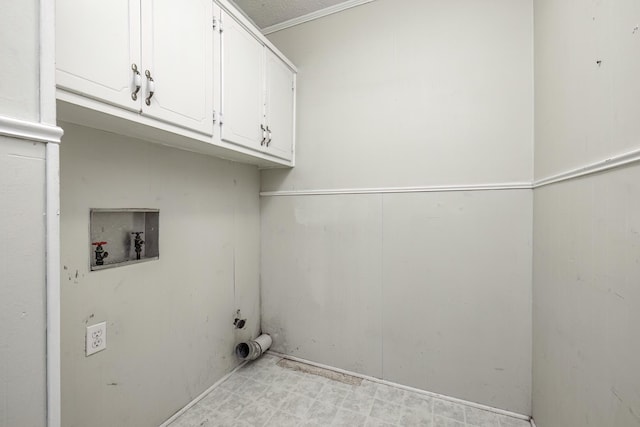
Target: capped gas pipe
x,y
251,350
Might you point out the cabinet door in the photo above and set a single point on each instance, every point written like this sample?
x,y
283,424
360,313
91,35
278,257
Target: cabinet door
x,y
96,45
242,85
280,107
177,53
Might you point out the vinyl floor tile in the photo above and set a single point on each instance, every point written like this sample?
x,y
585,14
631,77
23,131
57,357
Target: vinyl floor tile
x,y
264,394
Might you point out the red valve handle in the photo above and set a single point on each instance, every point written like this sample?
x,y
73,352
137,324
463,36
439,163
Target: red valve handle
x,y
99,243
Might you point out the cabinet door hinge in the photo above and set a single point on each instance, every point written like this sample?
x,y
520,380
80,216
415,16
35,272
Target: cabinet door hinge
x,y
215,116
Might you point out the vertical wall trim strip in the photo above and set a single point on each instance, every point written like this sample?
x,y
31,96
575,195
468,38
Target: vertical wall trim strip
x,y
54,409
47,42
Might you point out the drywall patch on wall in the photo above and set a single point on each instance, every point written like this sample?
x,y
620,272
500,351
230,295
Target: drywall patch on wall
x,y
169,322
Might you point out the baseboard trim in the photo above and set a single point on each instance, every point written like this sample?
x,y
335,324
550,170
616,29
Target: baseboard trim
x,y
200,396
29,131
314,15
391,190
412,389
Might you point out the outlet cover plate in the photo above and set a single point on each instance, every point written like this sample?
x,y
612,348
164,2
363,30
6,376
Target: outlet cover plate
x,y
96,338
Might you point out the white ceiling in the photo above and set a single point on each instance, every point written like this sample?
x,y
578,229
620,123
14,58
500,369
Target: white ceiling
x,y
266,13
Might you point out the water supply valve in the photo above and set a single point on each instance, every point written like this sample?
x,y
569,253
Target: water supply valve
x,y
101,254
137,243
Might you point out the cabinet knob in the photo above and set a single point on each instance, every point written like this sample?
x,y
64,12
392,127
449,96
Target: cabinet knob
x,y
137,82
151,87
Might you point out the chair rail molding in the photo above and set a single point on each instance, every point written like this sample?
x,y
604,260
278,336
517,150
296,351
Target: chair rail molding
x,y
386,190
606,165
30,131
601,166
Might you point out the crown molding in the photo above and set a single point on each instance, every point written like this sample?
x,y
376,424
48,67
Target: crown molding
x,y
314,15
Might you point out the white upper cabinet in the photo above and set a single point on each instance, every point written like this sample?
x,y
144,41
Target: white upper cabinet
x,y
258,93
242,85
177,46
195,75
151,56
280,107
97,43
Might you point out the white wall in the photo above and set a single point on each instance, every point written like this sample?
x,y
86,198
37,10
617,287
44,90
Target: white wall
x,y
586,231
169,322
23,384
585,112
22,290
412,92
587,302
431,290
19,50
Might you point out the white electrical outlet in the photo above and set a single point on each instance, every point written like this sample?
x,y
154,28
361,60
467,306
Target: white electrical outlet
x,y
96,338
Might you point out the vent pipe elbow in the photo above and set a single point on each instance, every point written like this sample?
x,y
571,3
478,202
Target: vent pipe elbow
x,y
251,350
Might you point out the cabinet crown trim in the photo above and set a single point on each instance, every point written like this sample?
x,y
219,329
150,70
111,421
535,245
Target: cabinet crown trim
x,y
250,26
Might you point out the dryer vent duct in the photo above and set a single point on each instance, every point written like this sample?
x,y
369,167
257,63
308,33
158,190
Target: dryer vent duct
x,y
251,350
